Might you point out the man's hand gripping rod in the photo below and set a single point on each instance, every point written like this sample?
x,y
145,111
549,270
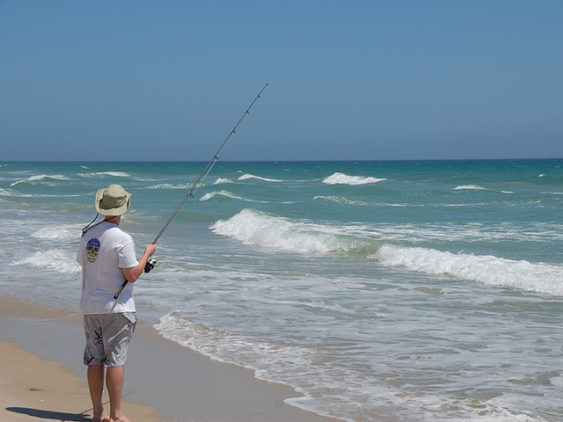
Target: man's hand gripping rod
x,y
151,263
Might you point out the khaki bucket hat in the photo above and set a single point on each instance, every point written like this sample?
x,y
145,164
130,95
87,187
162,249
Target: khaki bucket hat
x,y
113,200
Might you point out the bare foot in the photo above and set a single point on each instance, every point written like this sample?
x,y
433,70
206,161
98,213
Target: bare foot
x,y
120,419
103,418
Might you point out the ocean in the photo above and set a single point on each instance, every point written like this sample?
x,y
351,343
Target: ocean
x,y
380,291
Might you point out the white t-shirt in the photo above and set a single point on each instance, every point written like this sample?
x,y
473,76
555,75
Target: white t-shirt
x,y
104,250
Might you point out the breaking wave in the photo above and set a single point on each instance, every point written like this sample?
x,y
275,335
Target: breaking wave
x,y
344,179
258,229
262,230
486,269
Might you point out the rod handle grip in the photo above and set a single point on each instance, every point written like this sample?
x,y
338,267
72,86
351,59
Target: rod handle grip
x,y
115,296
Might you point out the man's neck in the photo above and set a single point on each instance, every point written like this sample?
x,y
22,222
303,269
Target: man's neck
x,y
113,219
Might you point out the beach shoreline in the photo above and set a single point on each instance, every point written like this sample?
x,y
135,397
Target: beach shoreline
x,y
43,376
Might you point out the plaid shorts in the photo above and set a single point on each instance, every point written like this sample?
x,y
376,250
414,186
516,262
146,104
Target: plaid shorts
x,y
107,338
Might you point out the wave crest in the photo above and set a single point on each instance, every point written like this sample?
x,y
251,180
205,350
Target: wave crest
x,y
226,194
259,229
221,180
344,179
470,187
40,177
264,179
486,269
106,173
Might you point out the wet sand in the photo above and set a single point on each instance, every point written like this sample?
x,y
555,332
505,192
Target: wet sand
x,y
42,376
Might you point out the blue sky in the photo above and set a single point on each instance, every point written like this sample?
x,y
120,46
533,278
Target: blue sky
x,y
167,80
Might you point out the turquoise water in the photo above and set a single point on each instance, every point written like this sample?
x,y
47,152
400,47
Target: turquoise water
x,y
393,291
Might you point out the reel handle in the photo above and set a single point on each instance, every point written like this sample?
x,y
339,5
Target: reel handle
x,y
151,263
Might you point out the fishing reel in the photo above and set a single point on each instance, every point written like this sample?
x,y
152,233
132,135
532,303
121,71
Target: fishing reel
x,y
151,263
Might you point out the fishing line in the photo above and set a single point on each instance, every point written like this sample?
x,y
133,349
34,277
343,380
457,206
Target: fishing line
x,y
152,262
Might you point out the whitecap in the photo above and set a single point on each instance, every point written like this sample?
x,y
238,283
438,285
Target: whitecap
x,y
40,177
7,192
222,180
264,179
344,179
227,194
106,173
212,195
470,187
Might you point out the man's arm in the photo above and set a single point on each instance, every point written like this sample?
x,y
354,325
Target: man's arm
x,y
133,273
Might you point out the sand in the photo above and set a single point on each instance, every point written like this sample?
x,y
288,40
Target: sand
x,y
36,389
42,376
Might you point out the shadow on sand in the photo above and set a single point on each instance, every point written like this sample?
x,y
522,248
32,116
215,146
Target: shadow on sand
x,y
48,414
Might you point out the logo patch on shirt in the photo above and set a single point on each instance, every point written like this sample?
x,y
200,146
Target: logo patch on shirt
x,y
92,249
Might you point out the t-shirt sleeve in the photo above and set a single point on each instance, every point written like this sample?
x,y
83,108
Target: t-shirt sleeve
x,y
127,257
80,254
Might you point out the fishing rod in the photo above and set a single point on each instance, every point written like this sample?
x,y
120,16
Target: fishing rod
x,y
152,262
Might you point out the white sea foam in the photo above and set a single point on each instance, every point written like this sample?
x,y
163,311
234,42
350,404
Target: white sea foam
x,y
15,194
171,186
53,259
470,187
326,389
270,361
226,194
264,179
40,177
58,232
486,269
344,179
221,180
262,230
535,232
340,200
106,173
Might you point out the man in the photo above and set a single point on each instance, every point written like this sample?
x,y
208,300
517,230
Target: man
x,y
107,256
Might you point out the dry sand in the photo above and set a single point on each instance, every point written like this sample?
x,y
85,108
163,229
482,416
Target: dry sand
x,y
35,389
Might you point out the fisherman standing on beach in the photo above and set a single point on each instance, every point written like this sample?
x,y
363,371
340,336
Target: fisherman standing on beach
x,y
107,256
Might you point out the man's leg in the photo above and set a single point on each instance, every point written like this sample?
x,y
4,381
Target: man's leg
x,y
96,385
114,383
